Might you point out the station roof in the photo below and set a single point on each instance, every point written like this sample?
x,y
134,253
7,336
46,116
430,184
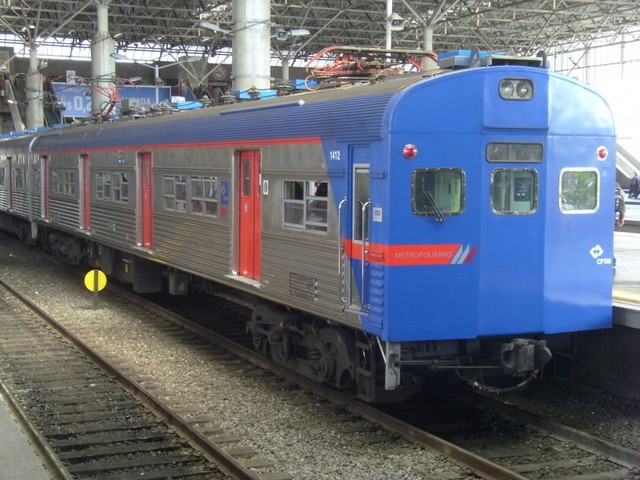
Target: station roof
x,y
160,26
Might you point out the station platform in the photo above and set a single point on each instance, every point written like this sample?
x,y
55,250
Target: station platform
x,y
607,359
626,281
18,461
626,246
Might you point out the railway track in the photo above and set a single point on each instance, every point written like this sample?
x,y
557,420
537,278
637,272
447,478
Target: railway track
x,y
502,441
481,451
233,349
527,445
83,413
558,450
597,458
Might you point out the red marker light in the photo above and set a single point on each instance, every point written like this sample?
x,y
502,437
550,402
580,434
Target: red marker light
x,y
602,153
410,151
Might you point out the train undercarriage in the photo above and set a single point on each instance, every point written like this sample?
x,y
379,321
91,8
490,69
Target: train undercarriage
x,y
345,358
379,372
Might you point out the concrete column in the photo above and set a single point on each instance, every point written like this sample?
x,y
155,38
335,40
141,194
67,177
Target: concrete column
x,y
35,109
388,20
285,69
103,66
251,44
427,63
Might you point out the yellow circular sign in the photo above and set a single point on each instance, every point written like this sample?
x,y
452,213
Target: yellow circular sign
x,y
95,280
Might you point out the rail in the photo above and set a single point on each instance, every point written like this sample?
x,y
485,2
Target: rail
x,y
212,452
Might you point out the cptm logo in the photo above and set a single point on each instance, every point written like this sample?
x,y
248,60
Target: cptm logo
x,y
597,252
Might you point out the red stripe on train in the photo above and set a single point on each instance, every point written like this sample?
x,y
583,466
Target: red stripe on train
x,y
403,255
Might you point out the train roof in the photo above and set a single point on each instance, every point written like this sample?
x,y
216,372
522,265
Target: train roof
x,y
229,122
362,108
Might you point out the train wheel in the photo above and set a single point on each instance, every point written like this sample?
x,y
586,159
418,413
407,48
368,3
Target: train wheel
x,y
307,345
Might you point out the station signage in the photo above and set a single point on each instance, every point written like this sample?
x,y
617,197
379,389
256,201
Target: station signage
x,y
77,98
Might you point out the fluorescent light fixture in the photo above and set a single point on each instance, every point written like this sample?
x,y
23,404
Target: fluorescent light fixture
x,y
187,60
117,56
284,35
214,27
299,32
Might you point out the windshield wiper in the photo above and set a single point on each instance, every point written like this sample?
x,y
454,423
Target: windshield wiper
x,y
434,206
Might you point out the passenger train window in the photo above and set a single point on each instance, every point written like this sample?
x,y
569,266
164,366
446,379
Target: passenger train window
x,y
103,186
579,190
199,193
210,196
514,191
112,186
19,178
120,188
175,192
305,205
316,198
2,176
204,195
63,182
246,181
37,182
294,204
69,182
181,193
438,191
168,185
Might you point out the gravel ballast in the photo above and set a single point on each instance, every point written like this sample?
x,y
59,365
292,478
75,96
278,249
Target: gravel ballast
x,y
274,418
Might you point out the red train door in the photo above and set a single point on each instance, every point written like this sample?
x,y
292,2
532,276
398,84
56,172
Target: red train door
x,y
249,216
85,193
146,200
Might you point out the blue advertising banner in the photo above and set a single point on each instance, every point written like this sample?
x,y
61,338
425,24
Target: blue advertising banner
x,y
77,98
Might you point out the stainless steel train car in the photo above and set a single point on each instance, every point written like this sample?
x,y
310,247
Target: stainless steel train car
x,y
443,221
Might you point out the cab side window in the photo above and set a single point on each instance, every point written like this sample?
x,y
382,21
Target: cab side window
x,y
438,191
579,190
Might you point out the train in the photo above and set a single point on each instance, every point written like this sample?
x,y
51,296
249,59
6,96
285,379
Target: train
x,y
454,220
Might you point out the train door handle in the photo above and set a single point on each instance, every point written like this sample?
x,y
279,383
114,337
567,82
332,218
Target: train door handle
x,y
341,259
365,223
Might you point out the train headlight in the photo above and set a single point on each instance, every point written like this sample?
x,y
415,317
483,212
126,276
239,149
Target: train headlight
x,y
524,89
506,89
516,89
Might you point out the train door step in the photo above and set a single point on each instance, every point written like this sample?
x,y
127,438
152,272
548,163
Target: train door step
x,y
245,280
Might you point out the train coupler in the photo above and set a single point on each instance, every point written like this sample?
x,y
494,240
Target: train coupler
x,y
521,356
